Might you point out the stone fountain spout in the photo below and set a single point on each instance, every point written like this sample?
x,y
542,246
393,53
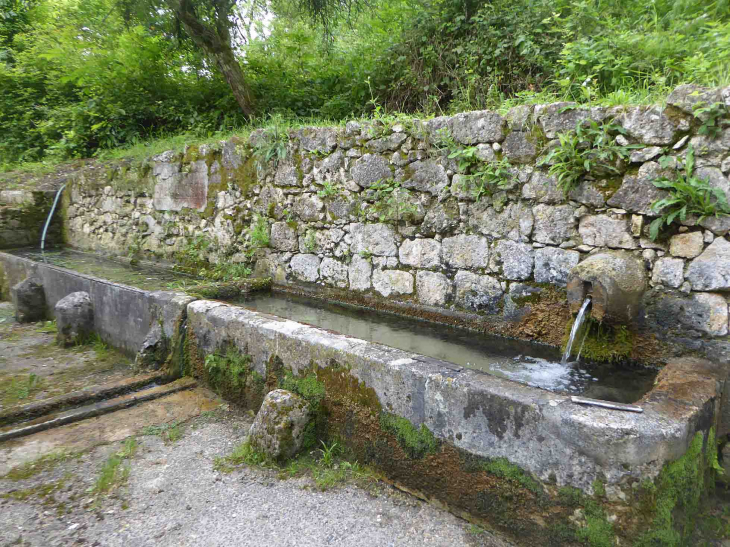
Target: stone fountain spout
x,y
615,281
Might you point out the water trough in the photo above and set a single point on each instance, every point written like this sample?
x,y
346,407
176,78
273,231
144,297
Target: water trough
x,y
547,440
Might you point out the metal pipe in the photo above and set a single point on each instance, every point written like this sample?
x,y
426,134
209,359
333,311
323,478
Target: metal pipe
x,y
50,216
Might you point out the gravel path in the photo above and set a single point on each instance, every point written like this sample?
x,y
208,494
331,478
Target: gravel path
x,y
174,497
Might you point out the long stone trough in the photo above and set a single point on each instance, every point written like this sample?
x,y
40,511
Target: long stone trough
x,y
487,438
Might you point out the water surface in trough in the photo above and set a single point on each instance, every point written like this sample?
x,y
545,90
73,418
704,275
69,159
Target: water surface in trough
x,y
532,364
142,277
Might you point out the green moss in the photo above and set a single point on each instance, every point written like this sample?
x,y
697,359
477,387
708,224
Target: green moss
x,y
599,489
28,470
674,498
598,531
416,442
501,467
603,343
570,496
307,387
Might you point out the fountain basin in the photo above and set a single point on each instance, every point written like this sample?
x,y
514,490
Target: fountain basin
x,y
472,419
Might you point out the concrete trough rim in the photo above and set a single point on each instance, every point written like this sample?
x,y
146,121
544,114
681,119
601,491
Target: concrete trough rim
x,y
643,439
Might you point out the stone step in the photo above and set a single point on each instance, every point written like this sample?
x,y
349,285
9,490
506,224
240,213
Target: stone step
x,y
96,409
65,401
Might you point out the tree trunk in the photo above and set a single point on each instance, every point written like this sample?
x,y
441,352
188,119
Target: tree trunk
x,y
216,43
228,65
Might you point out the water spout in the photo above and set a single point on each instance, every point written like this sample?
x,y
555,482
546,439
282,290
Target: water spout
x,y
50,216
576,327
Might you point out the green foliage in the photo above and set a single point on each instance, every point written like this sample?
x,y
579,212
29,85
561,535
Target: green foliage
x,y
590,148
329,453
688,195
82,78
270,145
329,189
32,468
230,369
47,327
598,531
310,241
258,233
570,496
416,442
391,202
713,123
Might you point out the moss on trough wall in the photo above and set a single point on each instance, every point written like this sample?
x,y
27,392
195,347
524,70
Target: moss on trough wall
x,y
490,492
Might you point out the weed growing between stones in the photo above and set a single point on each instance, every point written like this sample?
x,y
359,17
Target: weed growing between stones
x,y
113,474
170,432
17,388
688,195
328,466
47,327
390,202
591,148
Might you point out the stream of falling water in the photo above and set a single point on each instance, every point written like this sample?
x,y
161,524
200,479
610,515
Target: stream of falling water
x,y
579,319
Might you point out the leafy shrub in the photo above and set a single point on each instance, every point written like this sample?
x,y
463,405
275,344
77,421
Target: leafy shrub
x,y
590,148
688,195
391,202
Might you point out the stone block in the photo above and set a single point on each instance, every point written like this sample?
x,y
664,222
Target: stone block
x,y
543,188
284,237
553,265
514,222
519,148
711,270
465,251
434,289
392,282
687,245
333,272
425,176
477,292
648,125
370,169
515,260
305,267
376,239
278,429
74,318
604,231
421,253
359,273
477,127
553,224
29,300
441,218
668,272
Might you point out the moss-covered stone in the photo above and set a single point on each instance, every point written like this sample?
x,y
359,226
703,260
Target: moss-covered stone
x,y
673,499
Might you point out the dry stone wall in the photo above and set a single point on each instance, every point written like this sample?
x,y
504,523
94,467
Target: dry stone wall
x,y
330,221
